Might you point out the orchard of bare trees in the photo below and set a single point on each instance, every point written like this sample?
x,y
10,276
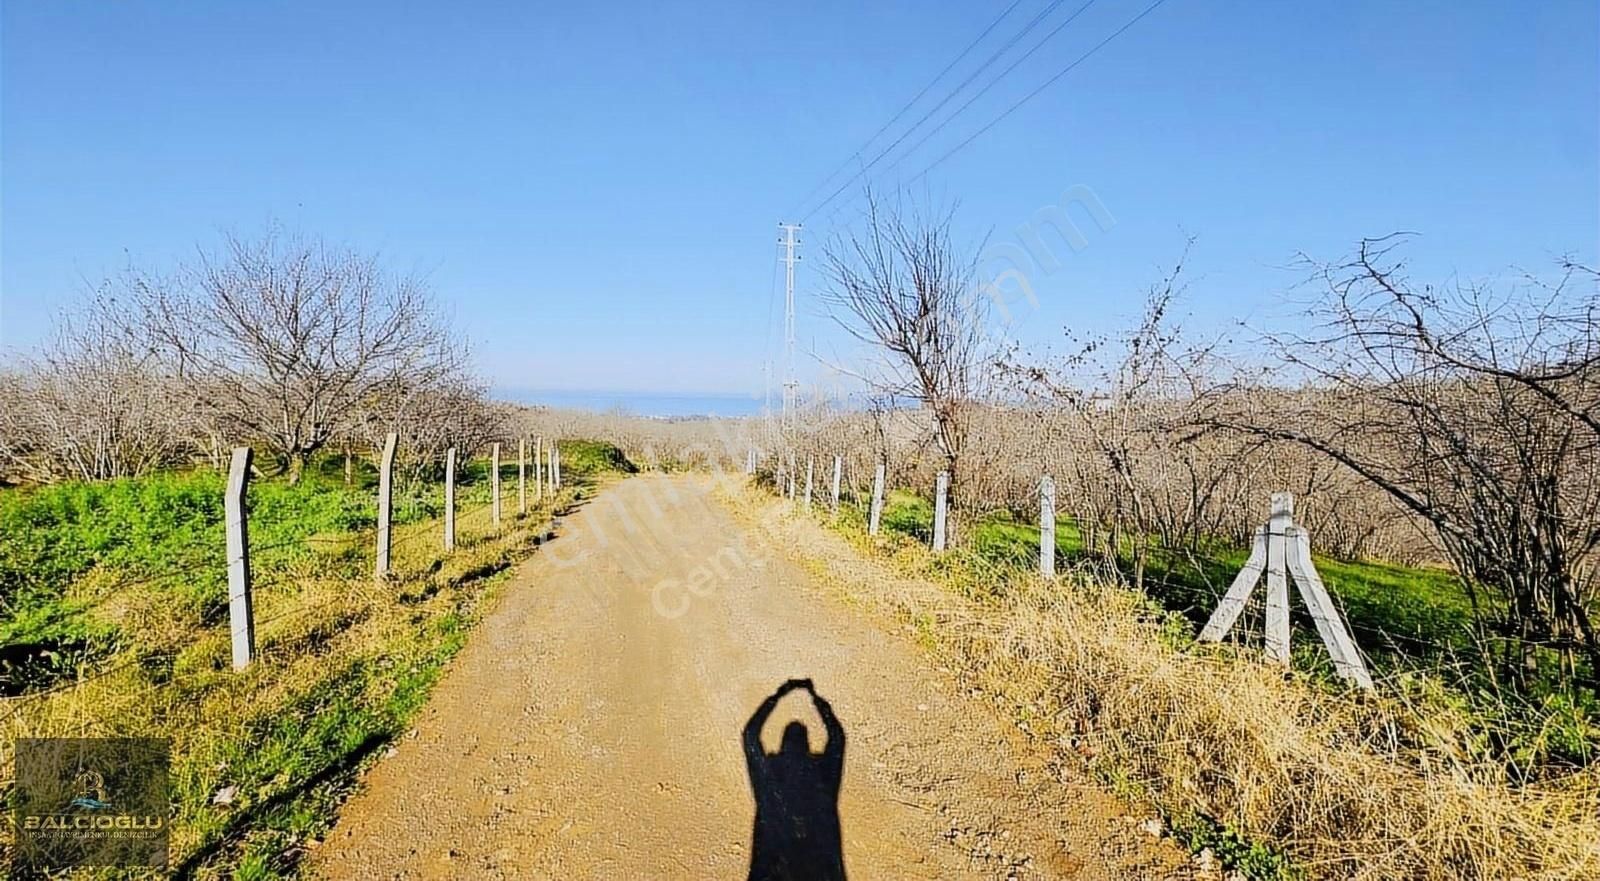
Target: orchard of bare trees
x,y
1453,426
281,341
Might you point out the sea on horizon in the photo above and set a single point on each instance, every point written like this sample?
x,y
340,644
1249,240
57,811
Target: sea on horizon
x,y
650,404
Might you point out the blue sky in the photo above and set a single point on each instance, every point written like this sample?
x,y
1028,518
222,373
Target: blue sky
x,y
594,192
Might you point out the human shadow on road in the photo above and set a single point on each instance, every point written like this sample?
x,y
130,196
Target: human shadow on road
x,y
796,834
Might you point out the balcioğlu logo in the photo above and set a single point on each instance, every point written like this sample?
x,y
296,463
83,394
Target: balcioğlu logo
x,y
91,802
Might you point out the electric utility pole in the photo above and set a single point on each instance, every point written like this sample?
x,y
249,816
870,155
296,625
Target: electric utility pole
x,y
790,386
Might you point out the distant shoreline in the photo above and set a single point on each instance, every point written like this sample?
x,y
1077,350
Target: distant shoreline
x,y
647,404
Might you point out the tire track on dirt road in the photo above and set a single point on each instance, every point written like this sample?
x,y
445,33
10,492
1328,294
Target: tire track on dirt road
x,y
591,727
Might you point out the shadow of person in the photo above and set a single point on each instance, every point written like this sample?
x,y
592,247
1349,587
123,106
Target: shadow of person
x,y
796,833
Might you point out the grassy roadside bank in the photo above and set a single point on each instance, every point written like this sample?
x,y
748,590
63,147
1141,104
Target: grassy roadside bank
x,y
1421,610
1278,775
1413,626
261,758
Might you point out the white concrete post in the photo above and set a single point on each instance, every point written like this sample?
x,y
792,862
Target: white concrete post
x,y
809,464
838,471
750,461
1346,658
385,504
555,464
1279,545
877,501
1047,527
1233,602
1277,635
538,480
450,499
241,615
494,484
941,489
522,475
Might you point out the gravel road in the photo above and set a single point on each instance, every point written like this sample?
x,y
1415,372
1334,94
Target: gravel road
x,y
595,727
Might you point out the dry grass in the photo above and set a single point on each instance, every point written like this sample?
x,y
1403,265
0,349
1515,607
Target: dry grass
x,y
342,662
1347,786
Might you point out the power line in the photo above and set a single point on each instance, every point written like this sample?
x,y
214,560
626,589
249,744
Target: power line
x,y
907,106
990,85
1035,93
767,334
1015,38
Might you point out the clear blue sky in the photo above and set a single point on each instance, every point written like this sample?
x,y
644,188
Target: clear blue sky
x,y
595,192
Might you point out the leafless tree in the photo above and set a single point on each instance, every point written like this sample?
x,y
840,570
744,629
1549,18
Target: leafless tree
x,y
291,336
94,404
903,286
429,418
1477,410
1132,398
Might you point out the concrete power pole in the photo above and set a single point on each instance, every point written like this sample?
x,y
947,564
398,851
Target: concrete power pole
x,y
790,386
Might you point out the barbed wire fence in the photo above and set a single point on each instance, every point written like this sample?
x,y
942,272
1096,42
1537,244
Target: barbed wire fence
x,y
126,705
1395,656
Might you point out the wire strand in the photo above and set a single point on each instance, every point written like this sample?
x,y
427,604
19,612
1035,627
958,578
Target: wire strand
x,y
1015,38
907,106
1035,93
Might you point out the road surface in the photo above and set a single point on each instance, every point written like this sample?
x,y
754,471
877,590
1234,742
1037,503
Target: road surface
x,y
594,728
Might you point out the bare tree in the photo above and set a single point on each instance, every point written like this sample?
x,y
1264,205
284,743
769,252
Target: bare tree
x,y
1132,398
429,418
95,404
291,336
904,287
1477,410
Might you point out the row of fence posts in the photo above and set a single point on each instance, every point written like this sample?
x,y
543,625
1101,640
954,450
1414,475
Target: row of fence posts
x,y
241,617
1281,549
785,481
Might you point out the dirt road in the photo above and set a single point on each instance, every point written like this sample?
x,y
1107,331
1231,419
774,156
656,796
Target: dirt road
x,y
592,729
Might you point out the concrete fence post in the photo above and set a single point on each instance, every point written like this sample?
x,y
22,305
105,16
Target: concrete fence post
x,y
538,479
522,476
1277,635
555,457
750,461
1047,527
241,614
1280,545
838,472
941,489
877,501
494,485
809,463
380,566
450,499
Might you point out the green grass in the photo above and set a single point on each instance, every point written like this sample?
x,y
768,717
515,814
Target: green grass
x,y
1416,608
125,580
1414,626
294,762
584,457
168,529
